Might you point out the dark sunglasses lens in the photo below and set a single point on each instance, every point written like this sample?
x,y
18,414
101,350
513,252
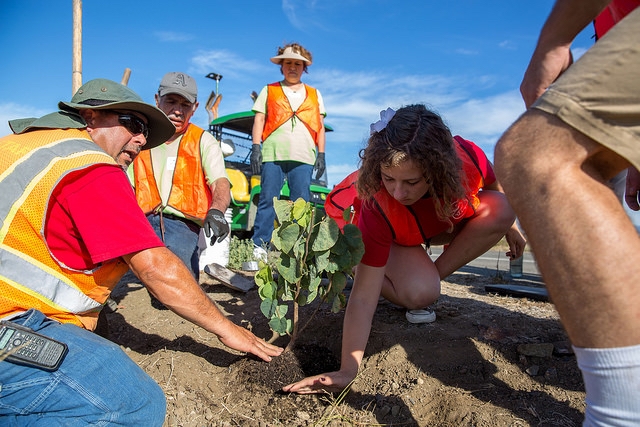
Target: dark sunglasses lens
x,y
134,124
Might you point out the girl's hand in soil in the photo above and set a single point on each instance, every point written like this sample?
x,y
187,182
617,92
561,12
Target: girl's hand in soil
x,y
323,383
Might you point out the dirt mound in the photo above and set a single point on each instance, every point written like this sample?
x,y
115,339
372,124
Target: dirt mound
x,y
488,360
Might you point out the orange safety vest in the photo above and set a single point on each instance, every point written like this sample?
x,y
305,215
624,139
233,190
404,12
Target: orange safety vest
x,y
189,192
32,164
404,225
279,111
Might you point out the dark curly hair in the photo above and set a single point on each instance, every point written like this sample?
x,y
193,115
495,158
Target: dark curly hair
x,y
418,134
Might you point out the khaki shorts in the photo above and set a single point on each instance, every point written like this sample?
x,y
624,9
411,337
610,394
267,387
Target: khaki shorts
x,y
599,95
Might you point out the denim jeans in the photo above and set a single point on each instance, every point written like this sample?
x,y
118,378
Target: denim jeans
x,y
179,239
271,182
96,384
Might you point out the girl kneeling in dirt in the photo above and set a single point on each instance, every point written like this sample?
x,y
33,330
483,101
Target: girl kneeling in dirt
x,y
417,186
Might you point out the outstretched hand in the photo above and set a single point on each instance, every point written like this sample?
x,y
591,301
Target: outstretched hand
x,y
242,339
323,383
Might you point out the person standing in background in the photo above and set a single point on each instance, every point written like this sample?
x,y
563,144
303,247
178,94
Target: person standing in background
x,y
182,185
289,123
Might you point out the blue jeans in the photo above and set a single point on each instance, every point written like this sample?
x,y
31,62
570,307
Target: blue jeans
x,y
271,182
97,384
179,238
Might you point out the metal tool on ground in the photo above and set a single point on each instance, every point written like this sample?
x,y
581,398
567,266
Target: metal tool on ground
x,y
228,278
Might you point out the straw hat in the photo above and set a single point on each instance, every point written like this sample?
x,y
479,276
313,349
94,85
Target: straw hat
x,y
289,53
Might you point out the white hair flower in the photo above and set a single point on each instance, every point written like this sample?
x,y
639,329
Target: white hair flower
x,y
385,117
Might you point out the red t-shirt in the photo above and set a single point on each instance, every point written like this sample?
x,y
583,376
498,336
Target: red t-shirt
x,y
93,217
376,231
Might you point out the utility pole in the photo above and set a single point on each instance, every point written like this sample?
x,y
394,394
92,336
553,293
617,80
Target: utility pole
x,y
76,74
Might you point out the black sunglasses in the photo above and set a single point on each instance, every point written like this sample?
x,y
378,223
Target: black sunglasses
x,y
134,124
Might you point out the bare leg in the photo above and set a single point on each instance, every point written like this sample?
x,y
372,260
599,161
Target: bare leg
x,y
411,278
587,248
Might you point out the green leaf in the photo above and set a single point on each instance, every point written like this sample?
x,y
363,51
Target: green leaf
x,y
340,246
282,310
322,260
299,249
341,259
288,235
288,268
267,291
268,308
353,235
346,214
338,282
338,303
301,212
263,275
314,282
328,233
283,210
279,325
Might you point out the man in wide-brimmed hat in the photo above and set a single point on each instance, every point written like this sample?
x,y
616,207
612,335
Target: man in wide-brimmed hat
x,y
289,123
71,228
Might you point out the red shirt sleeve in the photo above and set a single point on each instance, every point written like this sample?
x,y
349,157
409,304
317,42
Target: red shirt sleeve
x,y
376,236
93,217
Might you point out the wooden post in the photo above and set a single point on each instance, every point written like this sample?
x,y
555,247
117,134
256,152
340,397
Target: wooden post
x,y
125,76
76,75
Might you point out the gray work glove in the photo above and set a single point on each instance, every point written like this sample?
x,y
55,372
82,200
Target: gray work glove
x,y
256,159
320,165
215,226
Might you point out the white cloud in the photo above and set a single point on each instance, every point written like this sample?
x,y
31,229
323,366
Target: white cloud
x,y
462,51
10,111
486,116
226,63
507,44
170,36
303,15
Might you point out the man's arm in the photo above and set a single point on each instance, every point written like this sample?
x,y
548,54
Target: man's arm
x,y
552,55
221,194
169,280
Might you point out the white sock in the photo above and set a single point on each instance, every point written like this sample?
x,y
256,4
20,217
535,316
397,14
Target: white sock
x,y
612,383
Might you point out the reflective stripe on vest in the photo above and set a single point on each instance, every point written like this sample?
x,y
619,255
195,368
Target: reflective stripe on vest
x,y
279,111
32,165
188,179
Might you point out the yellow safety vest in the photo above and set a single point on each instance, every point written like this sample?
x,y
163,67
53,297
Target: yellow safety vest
x,y
31,165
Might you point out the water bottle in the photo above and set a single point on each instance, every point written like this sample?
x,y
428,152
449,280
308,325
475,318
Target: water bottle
x,y
515,267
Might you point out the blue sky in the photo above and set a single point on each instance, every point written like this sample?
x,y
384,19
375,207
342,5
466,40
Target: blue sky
x,y
464,58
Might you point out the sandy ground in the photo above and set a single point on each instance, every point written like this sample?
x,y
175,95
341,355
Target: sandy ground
x,y
488,360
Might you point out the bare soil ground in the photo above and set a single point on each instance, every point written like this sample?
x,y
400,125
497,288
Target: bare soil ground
x,y
488,360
